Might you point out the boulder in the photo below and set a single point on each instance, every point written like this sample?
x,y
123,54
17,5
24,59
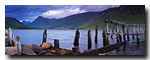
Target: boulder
x,y
46,45
35,48
53,51
11,50
62,52
27,51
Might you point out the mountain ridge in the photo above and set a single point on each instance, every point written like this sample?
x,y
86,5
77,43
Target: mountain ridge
x,y
14,24
71,21
128,14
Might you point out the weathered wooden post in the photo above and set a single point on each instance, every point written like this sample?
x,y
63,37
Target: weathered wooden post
x,y
96,31
105,39
128,34
137,34
76,40
113,30
123,26
44,36
89,39
117,38
133,27
10,37
105,25
18,44
56,43
120,37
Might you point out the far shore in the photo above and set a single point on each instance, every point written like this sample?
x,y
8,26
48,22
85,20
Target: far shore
x,y
49,29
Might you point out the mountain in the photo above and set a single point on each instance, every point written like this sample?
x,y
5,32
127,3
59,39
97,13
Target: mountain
x,y
25,22
128,14
72,21
41,22
14,24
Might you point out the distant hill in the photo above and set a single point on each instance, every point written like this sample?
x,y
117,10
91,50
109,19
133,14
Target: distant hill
x,y
72,21
128,14
41,22
25,22
14,24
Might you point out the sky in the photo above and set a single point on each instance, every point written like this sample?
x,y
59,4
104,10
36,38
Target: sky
x,y
31,12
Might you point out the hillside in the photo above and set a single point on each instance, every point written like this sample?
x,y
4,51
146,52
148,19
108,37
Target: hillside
x,y
128,14
14,24
41,22
25,22
72,21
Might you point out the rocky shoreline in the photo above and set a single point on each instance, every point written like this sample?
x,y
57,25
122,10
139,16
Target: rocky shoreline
x,y
14,47
45,49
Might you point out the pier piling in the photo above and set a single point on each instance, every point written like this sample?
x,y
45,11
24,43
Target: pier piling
x,y
56,43
44,36
89,39
76,40
96,31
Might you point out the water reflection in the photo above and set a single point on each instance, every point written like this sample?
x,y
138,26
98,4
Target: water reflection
x,y
130,49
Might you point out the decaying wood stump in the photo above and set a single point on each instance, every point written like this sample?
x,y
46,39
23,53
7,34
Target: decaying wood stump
x,y
44,36
76,40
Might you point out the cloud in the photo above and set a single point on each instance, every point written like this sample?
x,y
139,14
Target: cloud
x,y
31,12
61,13
97,8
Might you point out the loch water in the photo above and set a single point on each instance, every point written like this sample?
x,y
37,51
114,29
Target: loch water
x,y
66,38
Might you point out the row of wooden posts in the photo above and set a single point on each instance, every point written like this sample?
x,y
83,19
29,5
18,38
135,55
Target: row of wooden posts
x,y
135,29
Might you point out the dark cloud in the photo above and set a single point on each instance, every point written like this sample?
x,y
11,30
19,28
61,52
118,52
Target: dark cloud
x,y
97,8
29,12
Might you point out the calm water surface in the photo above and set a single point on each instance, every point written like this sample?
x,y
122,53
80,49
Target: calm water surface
x,y
66,38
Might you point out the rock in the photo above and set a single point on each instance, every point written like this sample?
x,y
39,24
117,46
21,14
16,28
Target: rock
x,y
53,51
75,49
46,45
48,50
10,50
62,52
23,45
35,48
27,51
42,52
49,54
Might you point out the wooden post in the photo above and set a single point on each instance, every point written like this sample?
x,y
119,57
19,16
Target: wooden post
x,y
137,34
113,30
76,40
117,38
89,39
128,34
120,37
123,26
44,36
137,39
18,44
133,27
96,31
105,26
107,39
104,38
56,43
10,37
